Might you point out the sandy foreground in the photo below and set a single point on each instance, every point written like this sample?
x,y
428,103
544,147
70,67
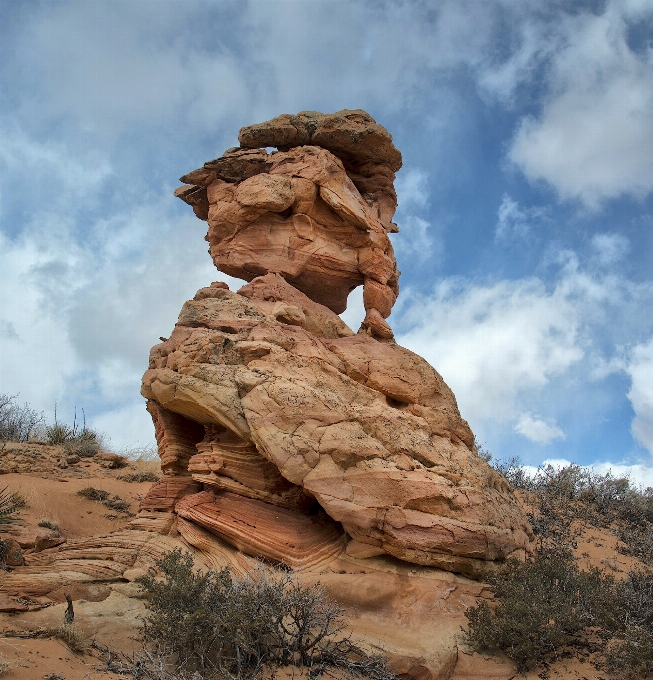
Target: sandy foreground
x,y
110,614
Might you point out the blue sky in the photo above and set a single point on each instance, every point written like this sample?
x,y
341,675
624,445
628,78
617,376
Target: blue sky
x,y
525,199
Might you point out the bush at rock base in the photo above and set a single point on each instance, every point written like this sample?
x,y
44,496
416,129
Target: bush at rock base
x,y
215,624
548,607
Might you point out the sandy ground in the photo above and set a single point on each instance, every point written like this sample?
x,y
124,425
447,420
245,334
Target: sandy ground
x,y
110,614
107,616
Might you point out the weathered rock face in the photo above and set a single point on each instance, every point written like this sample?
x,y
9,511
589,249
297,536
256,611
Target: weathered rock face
x,y
279,429
318,213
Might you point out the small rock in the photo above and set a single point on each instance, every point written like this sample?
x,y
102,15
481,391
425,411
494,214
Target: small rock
x,y
36,538
112,461
71,460
62,464
13,555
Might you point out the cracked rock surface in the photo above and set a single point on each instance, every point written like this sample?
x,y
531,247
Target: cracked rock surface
x,y
299,413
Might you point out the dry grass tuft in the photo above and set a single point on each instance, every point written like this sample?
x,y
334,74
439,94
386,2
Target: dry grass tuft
x,y
71,637
49,523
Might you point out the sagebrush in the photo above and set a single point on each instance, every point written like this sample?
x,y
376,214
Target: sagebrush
x,y
215,624
548,606
17,423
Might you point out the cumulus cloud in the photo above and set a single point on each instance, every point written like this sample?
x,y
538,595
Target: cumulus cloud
x,y
501,345
84,323
640,370
610,248
538,430
108,66
594,137
493,342
419,241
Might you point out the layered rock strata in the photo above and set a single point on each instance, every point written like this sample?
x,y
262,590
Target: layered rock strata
x,y
318,211
293,416
286,434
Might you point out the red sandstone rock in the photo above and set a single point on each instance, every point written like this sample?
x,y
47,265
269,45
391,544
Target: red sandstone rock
x,y
352,135
270,401
263,530
367,428
317,213
176,438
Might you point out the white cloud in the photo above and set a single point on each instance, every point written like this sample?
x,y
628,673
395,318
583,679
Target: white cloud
x,y
84,319
419,241
537,430
108,66
515,222
594,138
412,189
36,355
512,347
416,243
355,312
493,342
610,248
640,370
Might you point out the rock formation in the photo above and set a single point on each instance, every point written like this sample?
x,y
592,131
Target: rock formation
x,y
279,429
318,211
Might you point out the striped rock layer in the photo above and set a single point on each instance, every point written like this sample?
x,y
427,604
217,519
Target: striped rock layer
x,y
291,438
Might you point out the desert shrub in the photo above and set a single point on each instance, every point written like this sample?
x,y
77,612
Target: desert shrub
x,y
17,423
219,625
559,497
70,636
101,496
543,605
148,453
144,476
93,494
83,438
116,503
637,540
630,651
82,447
59,433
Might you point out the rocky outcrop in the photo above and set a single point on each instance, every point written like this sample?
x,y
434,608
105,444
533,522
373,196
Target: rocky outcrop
x,y
318,212
367,429
279,414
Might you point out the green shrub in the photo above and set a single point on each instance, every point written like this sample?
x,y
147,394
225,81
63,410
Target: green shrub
x,y
84,448
82,438
49,524
547,606
630,651
59,433
116,503
543,605
222,626
561,496
93,494
101,496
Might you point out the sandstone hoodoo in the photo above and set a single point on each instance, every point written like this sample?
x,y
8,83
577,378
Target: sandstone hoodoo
x,y
282,431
